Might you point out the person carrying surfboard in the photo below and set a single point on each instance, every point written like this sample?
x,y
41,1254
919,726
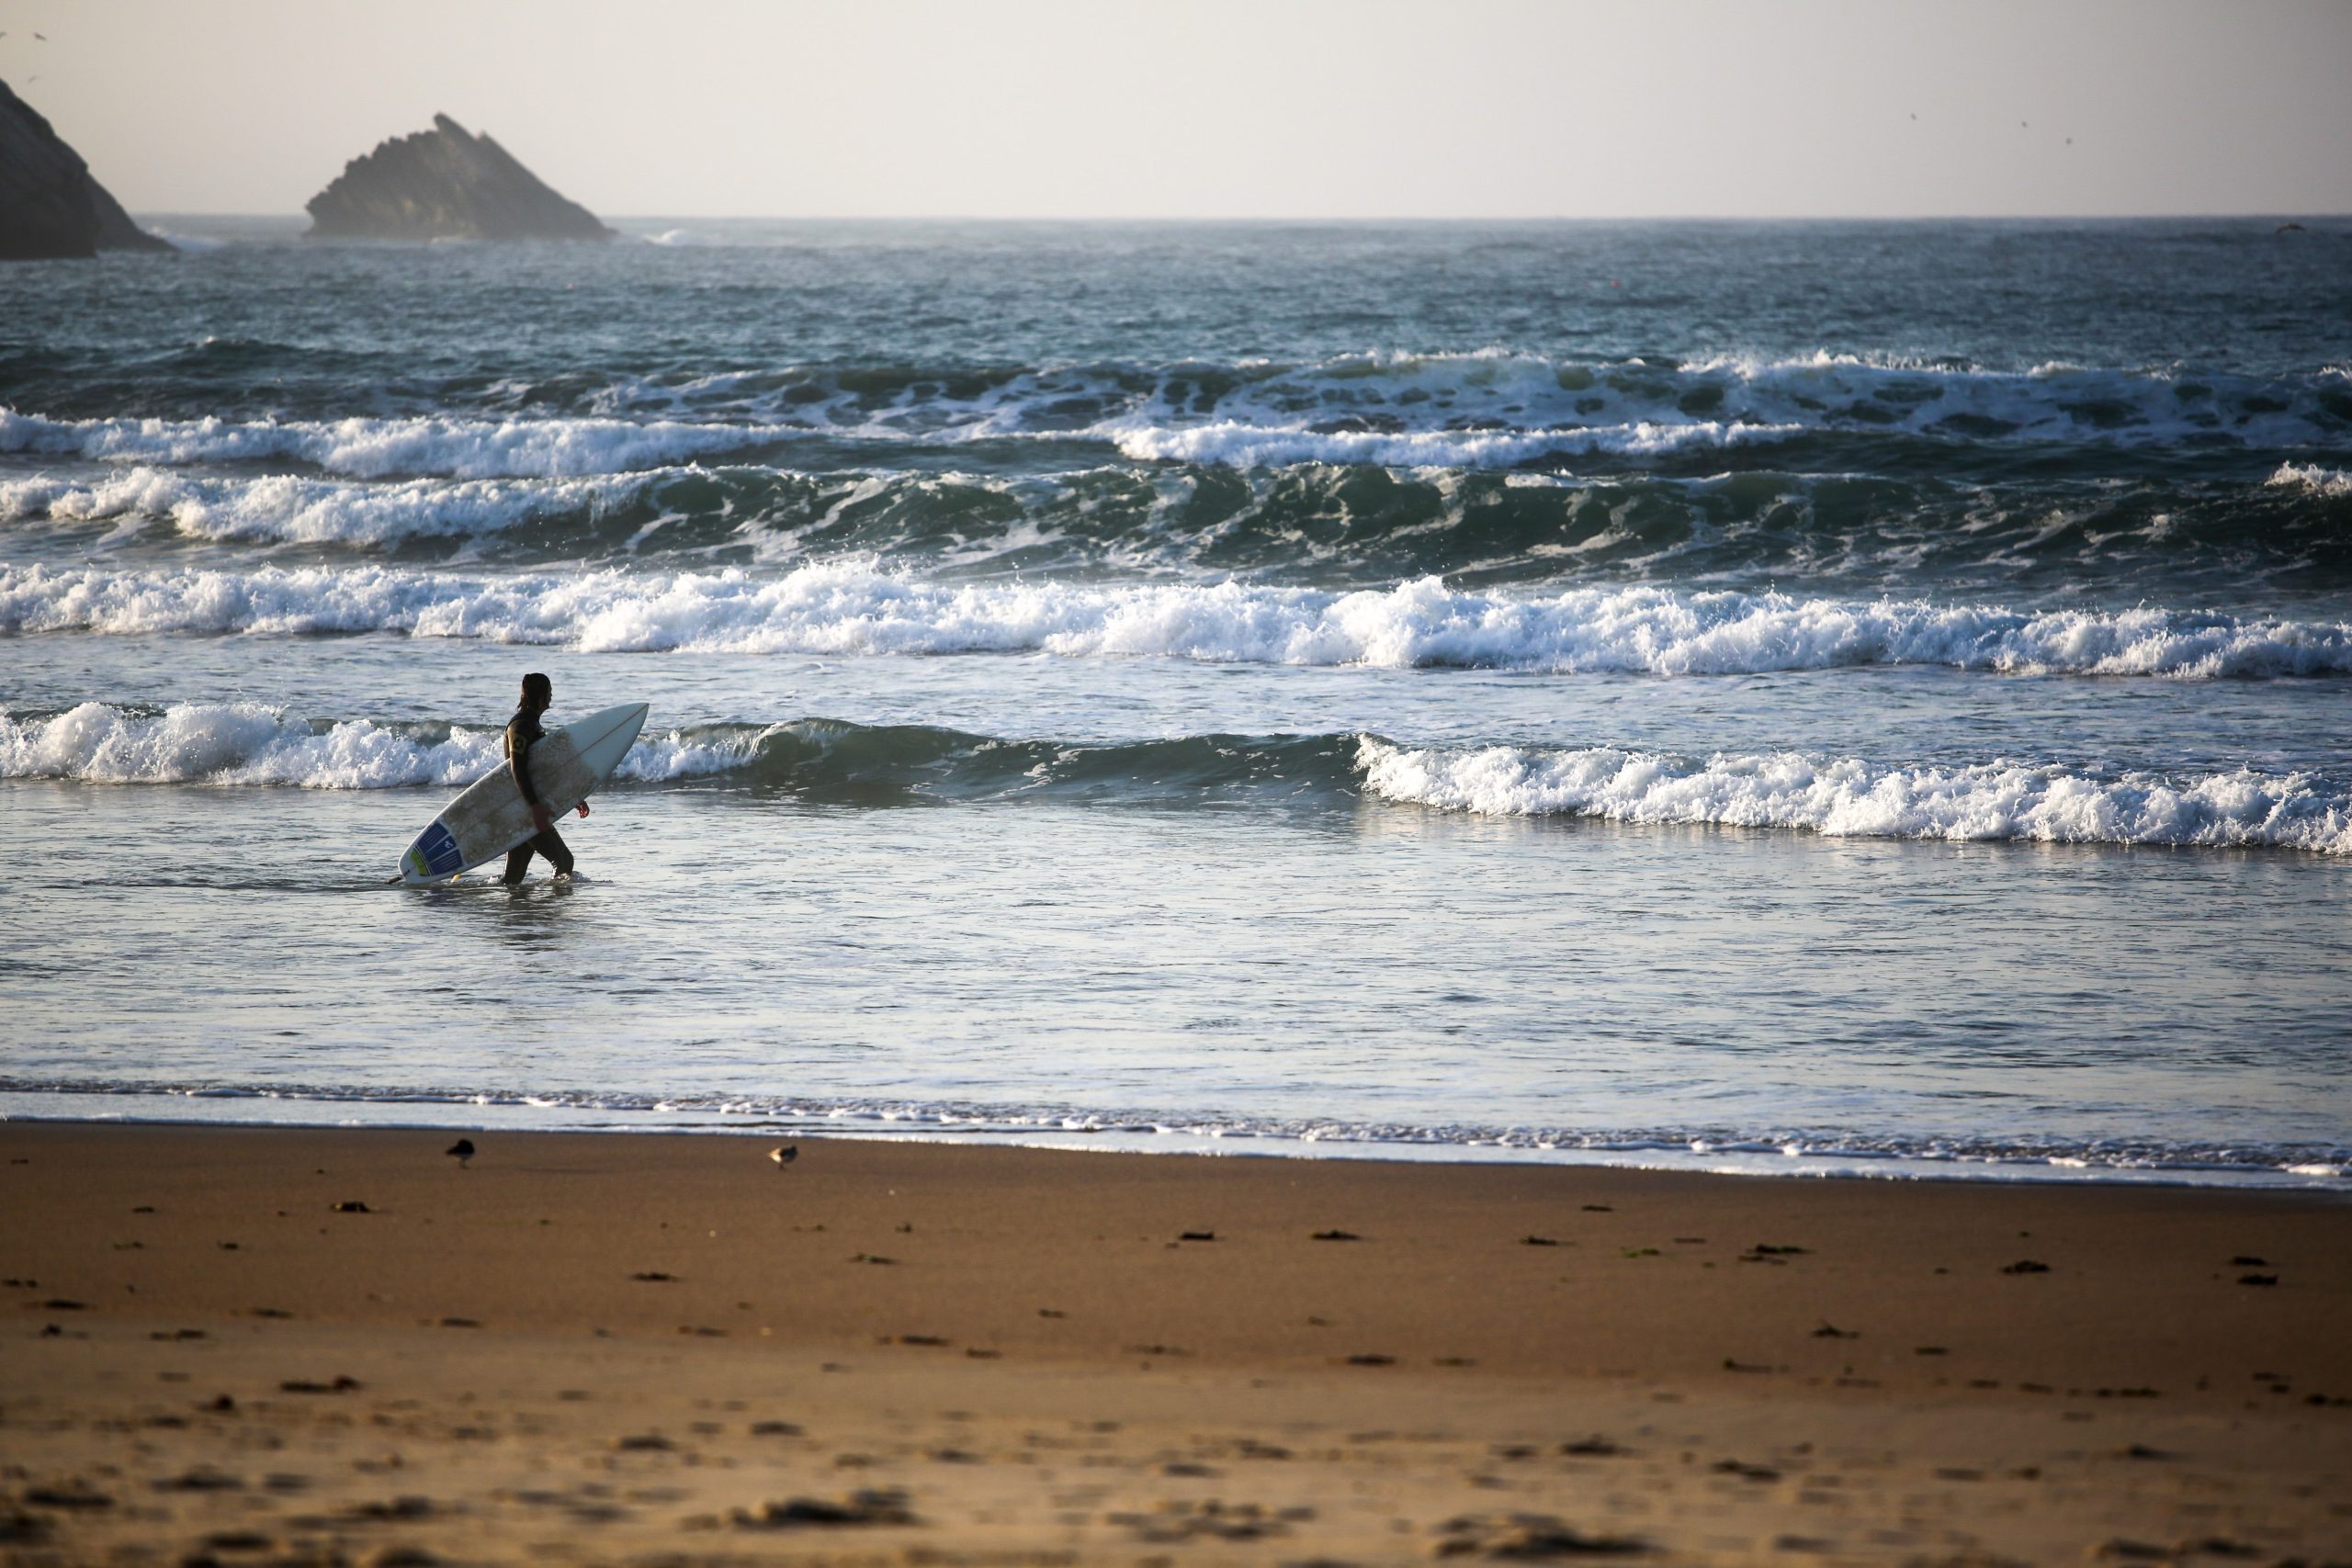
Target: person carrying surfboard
x,y
522,731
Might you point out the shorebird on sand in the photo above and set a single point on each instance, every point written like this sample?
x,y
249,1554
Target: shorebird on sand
x,y
784,1154
462,1151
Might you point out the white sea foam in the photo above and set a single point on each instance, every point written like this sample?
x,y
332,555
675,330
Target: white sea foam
x,y
288,507
246,743
1490,409
233,743
249,744
385,448
1244,446
2330,482
1494,408
853,608
197,244
1845,797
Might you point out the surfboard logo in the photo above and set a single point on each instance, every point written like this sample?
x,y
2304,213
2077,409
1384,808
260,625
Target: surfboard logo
x,y
435,852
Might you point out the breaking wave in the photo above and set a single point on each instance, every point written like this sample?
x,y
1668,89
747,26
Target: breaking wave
x,y
306,511
384,448
248,743
857,608
1313,523
1487,407
1845,797
2334,483
833,762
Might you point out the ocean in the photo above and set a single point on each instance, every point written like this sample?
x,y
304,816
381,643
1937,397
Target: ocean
x,y
1794,698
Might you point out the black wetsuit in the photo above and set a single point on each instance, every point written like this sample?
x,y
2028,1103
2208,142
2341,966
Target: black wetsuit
x,y
522,731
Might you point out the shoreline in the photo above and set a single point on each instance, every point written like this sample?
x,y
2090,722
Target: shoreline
x,y
1050,1359
1745,1158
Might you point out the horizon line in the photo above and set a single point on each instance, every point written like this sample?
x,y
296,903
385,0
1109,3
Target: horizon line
x,y
1377,218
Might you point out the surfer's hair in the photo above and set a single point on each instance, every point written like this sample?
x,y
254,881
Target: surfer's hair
x,y
537,685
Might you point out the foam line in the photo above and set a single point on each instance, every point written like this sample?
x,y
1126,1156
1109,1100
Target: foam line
x,y
849,609
248,743
1484,410
385,448
1845,797
307,511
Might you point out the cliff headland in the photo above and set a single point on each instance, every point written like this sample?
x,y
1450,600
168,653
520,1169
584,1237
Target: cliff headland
x,y
50,207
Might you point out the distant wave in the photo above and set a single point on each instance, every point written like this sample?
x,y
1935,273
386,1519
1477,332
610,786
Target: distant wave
x,y
1327,525
1478,411
853,608
1498,391
307,511
383,449
833,762
1244,446
1844,796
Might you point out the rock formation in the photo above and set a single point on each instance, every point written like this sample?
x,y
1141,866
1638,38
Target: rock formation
x,y
446,184
49,207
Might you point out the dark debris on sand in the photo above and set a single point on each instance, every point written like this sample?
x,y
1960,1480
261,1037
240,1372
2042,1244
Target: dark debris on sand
x,y
874,1505
1528,1537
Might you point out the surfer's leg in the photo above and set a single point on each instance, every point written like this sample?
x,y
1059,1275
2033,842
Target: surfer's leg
x,y
559,855
518,861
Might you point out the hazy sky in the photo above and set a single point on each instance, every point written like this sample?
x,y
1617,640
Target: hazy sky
x,y
1225,107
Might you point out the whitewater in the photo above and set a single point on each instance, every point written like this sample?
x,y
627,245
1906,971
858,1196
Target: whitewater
x,y
1530,692
853,608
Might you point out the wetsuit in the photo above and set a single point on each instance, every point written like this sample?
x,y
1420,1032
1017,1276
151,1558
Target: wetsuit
x,y
522,731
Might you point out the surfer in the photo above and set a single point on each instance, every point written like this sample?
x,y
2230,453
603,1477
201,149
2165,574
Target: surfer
x,y
522,732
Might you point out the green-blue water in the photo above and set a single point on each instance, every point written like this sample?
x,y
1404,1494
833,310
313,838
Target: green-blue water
x,y
1678,691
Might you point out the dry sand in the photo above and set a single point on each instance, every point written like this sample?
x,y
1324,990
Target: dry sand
x,y
276,1347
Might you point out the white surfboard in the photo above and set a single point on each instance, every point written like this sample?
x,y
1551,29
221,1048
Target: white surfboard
x,y
492,817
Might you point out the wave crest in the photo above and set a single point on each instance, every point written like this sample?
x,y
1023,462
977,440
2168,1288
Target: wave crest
x,y
1482,409
250,743
439,445
307,511
1845,797
836,763
856,608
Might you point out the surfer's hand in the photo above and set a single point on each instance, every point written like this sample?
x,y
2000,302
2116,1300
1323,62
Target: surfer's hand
x,y
584,808
539,818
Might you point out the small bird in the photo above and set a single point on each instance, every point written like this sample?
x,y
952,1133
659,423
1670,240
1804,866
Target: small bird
x,y
784,1154
43,36
462,1151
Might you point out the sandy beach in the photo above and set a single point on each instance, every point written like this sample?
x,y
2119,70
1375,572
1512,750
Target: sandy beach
x,y
271,1346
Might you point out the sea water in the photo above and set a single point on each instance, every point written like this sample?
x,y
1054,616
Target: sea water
x,y
1811,698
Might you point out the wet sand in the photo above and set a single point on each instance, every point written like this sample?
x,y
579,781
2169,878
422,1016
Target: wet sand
x,y
253,1346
